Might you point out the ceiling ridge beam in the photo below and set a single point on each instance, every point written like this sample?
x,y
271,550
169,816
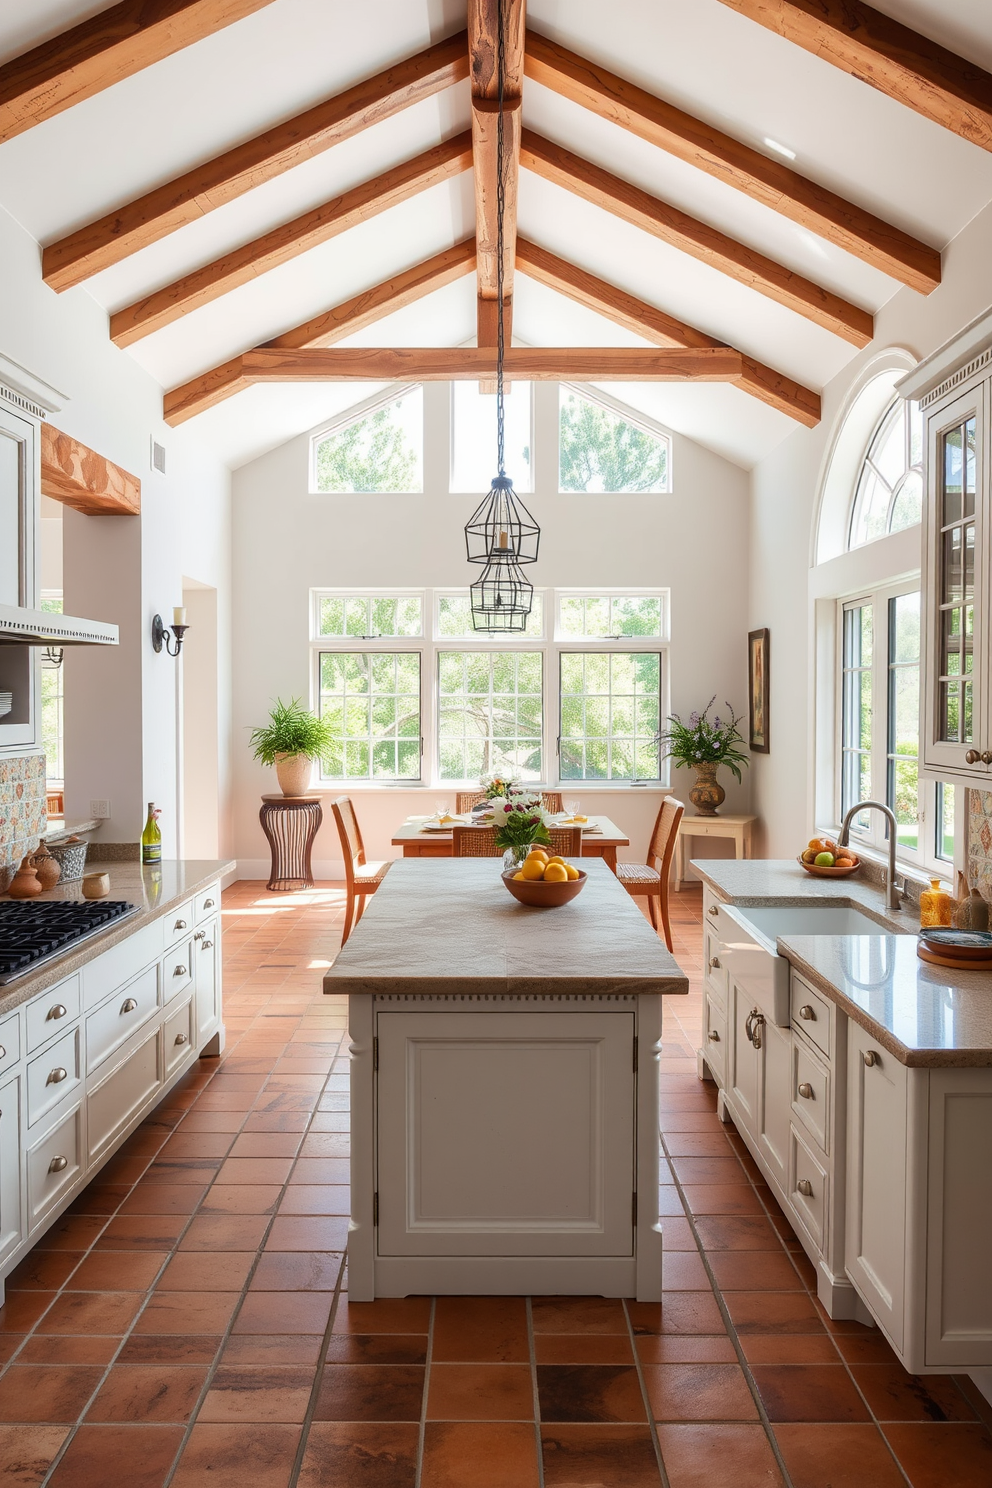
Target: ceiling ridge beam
x,y
702,145
165,209
470,363
765,383
287,241
915,71
355,314
688,234
103,50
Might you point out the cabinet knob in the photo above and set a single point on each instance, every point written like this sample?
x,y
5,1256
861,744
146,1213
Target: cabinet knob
x,y
182,1038
807,1013
806,1090
987,757
805,1188
58,1011
207,945
871,1058
973,757
179,925
200,935
128,1006
714,1036
57,1164
714,910
208,904
57,1076
179,971
715,962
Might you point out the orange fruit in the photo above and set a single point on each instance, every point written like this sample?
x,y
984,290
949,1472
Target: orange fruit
x,y
556,859
533,868
572,872
538,852
517,877
556,873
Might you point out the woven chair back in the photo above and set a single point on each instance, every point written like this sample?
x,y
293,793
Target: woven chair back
x,y
551,801
480,842
465,800
352,847
665,835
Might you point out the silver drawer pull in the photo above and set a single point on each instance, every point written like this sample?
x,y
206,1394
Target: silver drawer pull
x,y
805,1188
58,1164
806,1090
182,1038
179,971
200,935
871,1058
207,945
58,1011
57,1076
208,904
714,910
128,1006
807,1013
714,1036
715,962
179,925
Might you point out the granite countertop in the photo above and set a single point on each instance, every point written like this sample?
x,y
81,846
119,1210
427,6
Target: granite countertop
x,y
925,1015
448,925
781,881
154,890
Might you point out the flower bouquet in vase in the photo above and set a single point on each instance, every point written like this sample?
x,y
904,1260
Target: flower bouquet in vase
x,y
520,821
705,743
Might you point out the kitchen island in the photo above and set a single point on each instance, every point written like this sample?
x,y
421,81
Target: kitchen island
x,y
504,1087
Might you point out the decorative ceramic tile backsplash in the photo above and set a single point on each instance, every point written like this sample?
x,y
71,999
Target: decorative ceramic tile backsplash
x,y
980,841
22,805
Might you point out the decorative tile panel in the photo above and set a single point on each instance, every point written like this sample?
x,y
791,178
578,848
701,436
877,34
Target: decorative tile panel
x,y
23,817
980,841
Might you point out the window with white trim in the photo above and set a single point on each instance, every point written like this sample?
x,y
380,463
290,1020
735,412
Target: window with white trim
x,y
604,447
378,447
473,437
888,496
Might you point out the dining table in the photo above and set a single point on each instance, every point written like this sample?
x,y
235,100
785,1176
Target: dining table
x,y
600,838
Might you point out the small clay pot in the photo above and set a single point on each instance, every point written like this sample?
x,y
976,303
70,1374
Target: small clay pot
x,y
96,885
47,869
26,884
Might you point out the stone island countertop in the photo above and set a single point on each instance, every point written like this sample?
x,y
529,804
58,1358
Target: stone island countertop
x,y
155,891
448,925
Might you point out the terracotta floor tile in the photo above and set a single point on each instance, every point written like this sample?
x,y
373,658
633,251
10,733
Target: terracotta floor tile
x,y
201,1120
22,1310
230,1456
680,1312
481,1330
237,1198
683,1271
258,1392
377,1348
284,1312
808,1392
266,1144
837,1456
706,1456
772,1312
282,1121
670,1204
699,1392
685,1348
737,1232
706,1170
156,1393
43,1393
325,1144
91,1312
894,1395
316,1198
43,1270
139,1456
943,1456
202,1271
676,1234
99,1198
196,1144
480,1392
789,1348
26,1453
385,1315
72,1232
480,1454
590,1456
578,1348
163,1198
578,1315
589,1392
371,1392
273,1348
108,1270
249,1170
170,1348
754,1270
356,1455
709,1143
68,1348
156,1232
722,1198
187,1312
321,1170
224,1232
689,1121
296,1271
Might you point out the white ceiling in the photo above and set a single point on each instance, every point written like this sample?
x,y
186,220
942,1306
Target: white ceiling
x,y
287,56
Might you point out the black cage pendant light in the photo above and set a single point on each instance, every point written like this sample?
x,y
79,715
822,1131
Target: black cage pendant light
x,y
501,533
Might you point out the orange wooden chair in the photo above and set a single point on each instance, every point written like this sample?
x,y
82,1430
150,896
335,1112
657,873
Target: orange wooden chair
x,y
653,878
362,878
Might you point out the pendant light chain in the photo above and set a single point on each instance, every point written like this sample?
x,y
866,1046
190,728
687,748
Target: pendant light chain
x,y
500,212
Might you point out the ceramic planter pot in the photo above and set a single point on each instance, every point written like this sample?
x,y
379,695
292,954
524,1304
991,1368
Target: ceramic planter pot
x,y
293,773
707,795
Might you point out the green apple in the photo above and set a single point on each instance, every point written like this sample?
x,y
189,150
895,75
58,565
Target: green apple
x,y
824,860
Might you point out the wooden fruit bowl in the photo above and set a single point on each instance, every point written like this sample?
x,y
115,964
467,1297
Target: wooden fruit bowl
x,y
830,872
541,895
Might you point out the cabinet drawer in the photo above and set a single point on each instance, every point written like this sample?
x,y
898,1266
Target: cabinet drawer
x,y
52,1074
179,1035
124,1090
10,1042
121,963
811,1014
177,923
120,1016
807,1187
177,970
811,1092
206,903
714,965
715,1047
50,1012
54,1165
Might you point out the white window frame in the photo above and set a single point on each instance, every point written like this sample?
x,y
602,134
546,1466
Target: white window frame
x,y
354,414
549,644
454,490
614,406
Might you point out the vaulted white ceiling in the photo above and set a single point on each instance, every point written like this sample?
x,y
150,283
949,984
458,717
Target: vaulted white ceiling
x,y
290,54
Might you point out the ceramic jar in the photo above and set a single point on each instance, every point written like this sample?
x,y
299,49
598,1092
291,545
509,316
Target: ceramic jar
x,y
26,884
47,869
707,795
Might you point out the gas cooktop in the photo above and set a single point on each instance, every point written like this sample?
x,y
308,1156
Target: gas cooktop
x,y
32,933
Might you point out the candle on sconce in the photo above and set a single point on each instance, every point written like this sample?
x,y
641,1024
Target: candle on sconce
x,y
178,615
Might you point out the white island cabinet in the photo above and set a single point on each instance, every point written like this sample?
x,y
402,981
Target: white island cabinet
x,y
504,1087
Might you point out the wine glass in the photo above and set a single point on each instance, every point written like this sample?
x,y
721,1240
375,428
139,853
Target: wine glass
x,y
441,807
572,808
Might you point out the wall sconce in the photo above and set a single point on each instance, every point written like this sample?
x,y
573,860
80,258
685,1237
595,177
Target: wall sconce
x,y
160,635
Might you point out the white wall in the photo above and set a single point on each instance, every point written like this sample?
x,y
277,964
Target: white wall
x,y
121,705
287,542
783,513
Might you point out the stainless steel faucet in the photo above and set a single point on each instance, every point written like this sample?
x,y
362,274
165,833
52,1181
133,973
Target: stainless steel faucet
x,y
893,896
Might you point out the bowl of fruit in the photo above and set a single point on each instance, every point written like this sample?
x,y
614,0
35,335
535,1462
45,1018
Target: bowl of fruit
x,y
825,859
545,881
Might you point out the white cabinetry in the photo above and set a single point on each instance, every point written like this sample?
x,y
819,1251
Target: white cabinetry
x,y
19,504
11,1226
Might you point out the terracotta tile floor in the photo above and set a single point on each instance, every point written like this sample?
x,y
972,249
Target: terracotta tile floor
x,y
186,1323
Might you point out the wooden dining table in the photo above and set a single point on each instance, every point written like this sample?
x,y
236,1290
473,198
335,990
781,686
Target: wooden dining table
x,y
601,843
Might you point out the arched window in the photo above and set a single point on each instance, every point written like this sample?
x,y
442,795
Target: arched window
x,y
889,493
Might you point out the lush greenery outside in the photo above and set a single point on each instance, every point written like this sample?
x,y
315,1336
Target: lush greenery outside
x,y
582,616
600,451
610,716
455,617
365,616
371,706
490,714
904,716
381,452
856,725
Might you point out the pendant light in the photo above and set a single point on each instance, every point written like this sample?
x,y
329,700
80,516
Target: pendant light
x,y
501,533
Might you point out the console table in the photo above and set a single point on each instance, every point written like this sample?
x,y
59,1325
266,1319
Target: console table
x,y
736,827
290,824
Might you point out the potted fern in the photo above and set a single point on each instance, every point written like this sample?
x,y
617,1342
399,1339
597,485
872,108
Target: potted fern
x,y
293,738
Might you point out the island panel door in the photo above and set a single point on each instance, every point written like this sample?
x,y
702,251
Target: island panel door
x,y
505,1133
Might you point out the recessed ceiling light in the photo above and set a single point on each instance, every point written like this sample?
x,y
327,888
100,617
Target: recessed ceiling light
x,y
780,149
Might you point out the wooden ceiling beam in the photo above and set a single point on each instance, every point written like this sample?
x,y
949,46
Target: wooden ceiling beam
x,y
671,225
145,220
470,363
770,182
771,387
101,51
222,382
912,69
290,239
80,478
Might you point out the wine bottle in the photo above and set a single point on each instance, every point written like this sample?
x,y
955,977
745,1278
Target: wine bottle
x,y
151,837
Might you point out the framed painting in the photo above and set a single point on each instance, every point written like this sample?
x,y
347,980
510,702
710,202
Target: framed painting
x,y
757,676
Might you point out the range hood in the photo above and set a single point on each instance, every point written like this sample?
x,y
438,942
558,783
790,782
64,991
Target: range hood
x,y
39,628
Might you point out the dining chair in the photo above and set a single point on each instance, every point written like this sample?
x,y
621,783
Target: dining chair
x,y
552,802
362,878
480,842
653,877
465,800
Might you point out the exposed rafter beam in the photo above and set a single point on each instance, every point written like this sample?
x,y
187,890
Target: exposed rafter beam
x,y
887,55
131,227
79,477
101,51
770,182
283,243
762,382
352,315
670,224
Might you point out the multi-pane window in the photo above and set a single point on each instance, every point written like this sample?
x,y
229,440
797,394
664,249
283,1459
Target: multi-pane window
x,y
454,618
490,713
610,715
902,762
889,494
473,438
380,449
369,617
957,587
856,730
372,702
612,616
601,450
